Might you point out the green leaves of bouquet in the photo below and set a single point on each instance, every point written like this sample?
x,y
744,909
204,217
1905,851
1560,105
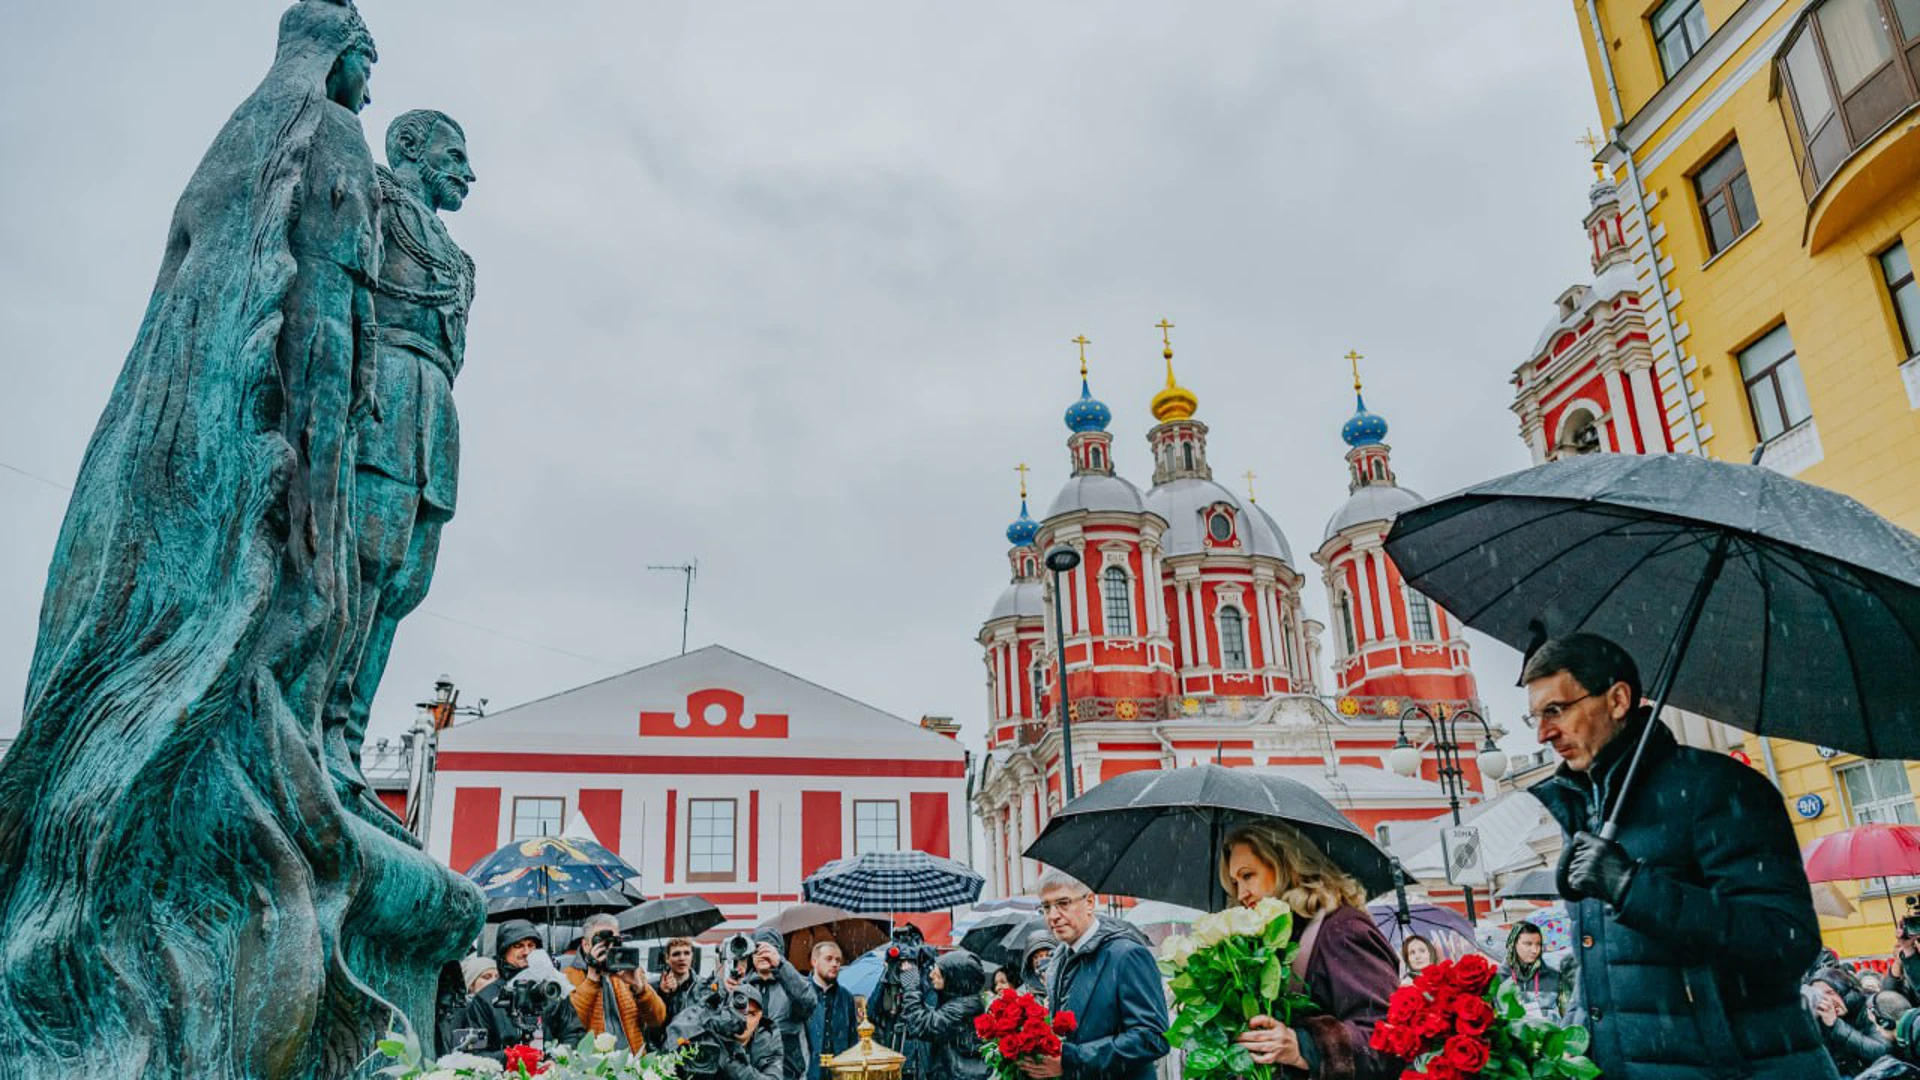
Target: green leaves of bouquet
x,y
1233,966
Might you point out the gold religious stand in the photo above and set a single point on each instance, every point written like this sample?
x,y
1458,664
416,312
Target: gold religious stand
x,y
865,1060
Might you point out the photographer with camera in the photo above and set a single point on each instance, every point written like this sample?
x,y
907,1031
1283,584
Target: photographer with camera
x,y
723,1034
528,1004
953,1047
785,995
608,993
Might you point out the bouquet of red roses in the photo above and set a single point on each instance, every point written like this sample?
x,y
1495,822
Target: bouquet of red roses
x,y
1017,1026
1457,1020
523,1060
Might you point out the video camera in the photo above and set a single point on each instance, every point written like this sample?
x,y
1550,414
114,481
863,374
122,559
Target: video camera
x,y
620,955
528,1000
707,1033
906,946
1910,924
736,956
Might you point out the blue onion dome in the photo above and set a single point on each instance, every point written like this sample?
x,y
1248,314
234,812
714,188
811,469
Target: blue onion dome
x,y
1023,529
1089,413
1363,428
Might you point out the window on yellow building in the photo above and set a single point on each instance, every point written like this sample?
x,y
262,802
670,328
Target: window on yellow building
x,y
1900,286
1775,390
1679,29
1877,791
1859,54
1726,198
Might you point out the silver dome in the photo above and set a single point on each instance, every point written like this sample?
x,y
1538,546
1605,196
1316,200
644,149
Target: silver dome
x,y
1096,492
1180,503
1374,502
1020,600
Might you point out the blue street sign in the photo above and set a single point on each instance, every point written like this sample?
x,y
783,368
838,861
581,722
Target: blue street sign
x,y
1809,805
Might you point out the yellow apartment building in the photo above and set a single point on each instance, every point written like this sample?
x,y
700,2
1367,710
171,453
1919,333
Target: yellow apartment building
x,y
1767,155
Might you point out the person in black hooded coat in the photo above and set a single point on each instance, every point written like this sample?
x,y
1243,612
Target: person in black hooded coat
x,y
946,1028
1693,924
488,1010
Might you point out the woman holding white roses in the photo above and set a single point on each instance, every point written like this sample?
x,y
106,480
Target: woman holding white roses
x,y
1344,962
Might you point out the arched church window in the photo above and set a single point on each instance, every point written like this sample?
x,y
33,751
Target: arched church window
x,y
1379,469
1233,639
1286,635
1095,458
1420,614
1039,686
1346,624
1115,586
1186,450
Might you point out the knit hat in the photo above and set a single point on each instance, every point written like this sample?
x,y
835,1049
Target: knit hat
x,y
472,966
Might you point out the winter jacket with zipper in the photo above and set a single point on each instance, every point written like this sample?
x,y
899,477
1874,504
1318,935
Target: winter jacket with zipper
x,y
1696,975
790,1001
947,1028
1111,985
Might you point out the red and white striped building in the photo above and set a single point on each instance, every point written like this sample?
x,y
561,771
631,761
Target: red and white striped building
x,y
1186,640
713,773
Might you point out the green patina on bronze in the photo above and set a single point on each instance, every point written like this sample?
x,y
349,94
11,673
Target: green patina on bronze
x,y
194,881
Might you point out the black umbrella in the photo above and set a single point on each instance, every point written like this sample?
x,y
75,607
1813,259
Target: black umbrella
x,y
1532,885
1752,598
671,917
564,907
1156,834
986,939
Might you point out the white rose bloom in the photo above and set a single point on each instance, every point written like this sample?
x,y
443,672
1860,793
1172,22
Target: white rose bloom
x,y
1176,950
472,1063
1246,922
1272,908
1209,929
604,1042
441,1074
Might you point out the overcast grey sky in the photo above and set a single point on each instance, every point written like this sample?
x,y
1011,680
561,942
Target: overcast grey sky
x,y
789,287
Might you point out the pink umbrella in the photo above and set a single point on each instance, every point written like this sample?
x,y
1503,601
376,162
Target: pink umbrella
x,y
1873,850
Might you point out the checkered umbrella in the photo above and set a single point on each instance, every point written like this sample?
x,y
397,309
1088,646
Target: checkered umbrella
x,y
893,881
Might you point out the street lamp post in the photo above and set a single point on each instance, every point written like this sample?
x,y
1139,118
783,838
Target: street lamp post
x,y
1405,760
1062,560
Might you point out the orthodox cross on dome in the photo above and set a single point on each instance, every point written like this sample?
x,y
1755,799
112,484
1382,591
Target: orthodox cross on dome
x,y
1251,497
1353,357
1593,143
1166,340
1083,342
1175,402
1023,470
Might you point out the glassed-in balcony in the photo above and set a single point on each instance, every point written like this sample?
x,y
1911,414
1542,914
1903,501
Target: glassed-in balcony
x,y
1850,70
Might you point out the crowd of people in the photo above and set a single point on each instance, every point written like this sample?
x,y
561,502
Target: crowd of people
x,y
1693,922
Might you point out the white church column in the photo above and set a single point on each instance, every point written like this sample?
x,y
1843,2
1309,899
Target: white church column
x,y
1619,412
1364,600
1647,405
1378,558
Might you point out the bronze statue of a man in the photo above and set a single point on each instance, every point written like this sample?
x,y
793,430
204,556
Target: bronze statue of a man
x,y
407,460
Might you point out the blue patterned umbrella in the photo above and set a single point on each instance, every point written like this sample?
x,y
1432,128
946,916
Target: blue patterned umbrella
x,y
547,868
893,881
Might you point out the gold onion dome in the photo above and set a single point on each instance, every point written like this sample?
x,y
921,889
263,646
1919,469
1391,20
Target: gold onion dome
x,y
1175,402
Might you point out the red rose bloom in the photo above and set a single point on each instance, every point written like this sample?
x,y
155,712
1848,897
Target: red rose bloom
x,y
523,1057
1395,1040
1438,1069
1471,974
1405,1004
1465,1053
1472,1015
1064,1022
1433,1024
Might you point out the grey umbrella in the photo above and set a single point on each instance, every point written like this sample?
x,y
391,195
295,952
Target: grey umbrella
x,y
1532,885
1156,834
1744,595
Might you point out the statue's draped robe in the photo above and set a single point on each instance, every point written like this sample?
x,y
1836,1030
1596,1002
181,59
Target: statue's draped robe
x,y
181,894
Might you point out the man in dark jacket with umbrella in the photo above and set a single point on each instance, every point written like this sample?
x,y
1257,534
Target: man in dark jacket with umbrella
x,y
1692,923
1109,981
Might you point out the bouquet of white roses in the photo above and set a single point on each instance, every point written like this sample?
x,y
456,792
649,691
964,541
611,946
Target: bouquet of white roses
x,y
1233,966
595,1057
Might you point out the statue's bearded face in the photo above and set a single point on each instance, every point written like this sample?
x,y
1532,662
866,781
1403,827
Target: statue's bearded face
x,y
445,168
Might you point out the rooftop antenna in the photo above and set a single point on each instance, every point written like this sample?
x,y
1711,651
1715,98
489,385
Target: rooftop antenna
x,y
691,570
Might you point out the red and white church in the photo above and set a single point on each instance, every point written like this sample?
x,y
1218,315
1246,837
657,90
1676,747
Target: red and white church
x,y
1187,640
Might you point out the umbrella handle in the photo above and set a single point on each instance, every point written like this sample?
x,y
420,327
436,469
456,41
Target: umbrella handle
x,y
1669,674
